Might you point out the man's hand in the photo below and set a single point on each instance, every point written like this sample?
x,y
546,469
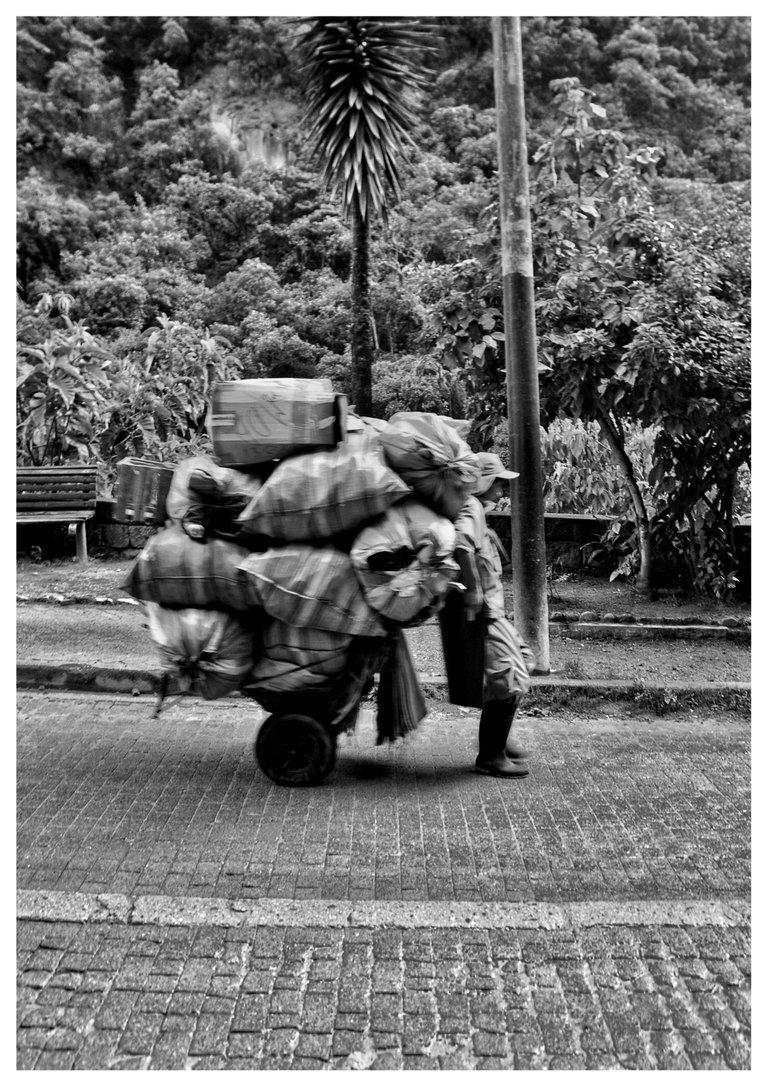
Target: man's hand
x,y
473,602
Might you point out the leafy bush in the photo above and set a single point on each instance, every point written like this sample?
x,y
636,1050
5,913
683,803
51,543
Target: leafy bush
x,y
159,392
410,383
62,387
579,474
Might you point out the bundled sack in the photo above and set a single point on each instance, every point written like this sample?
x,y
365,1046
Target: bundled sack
x,y
432,457
178,572
404,562
209,651
310,587
262,419
321,495
297,659
205,498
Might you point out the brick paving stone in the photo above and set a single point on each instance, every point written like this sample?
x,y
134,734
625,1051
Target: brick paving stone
x,y
140,1032
55,1061
97,1050
210,1035
317,1046
171,1048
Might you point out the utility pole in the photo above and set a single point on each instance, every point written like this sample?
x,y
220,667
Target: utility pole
x,y
529,560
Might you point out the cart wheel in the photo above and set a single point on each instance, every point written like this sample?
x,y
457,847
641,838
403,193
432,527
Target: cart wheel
x,y
294,750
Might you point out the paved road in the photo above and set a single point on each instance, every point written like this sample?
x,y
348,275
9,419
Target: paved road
x,y
177,910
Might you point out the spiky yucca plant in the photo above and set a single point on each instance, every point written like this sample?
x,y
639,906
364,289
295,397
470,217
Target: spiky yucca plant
x,y
356,73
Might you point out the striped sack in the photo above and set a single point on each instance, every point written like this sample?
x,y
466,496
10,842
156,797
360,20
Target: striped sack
x,y
432,457
404,562
176,571
297,659
209,651
317,496
310,587
205,494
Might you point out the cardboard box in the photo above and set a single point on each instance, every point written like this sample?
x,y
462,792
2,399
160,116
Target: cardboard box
x,y
264,419
141,490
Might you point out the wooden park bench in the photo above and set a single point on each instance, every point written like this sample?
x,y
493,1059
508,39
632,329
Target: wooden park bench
x,y
65,495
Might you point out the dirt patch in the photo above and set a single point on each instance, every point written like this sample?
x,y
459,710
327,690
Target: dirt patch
x,y
706,660
581,593
98,577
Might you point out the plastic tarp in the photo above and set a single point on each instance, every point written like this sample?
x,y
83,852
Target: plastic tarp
x,y
176,571
310,587
432,457
205,498
404,561
297,659
209,651
317,496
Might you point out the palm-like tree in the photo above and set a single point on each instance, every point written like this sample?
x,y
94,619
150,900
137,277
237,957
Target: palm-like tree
x,y
356,74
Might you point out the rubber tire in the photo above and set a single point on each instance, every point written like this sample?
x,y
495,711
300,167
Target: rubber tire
x,y
293,749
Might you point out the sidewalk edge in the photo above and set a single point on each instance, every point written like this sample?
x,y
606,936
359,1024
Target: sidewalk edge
x,y
548,690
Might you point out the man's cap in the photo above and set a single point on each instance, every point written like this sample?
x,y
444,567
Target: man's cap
x,y
491,469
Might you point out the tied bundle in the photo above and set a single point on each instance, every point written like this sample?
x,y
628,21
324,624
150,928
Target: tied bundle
x,y
319,496
432,457
297,659
209,651
310,587
404,561
206,498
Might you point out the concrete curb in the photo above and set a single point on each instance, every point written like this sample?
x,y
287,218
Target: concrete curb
x,y
167,910
651,631
575,624
551,691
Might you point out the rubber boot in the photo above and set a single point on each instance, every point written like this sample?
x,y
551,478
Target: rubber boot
x,y
514,751
495,723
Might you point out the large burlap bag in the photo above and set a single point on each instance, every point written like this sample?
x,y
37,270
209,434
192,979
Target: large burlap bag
x,y
404,561
317,496
205,498
209,651
310,587
297,659
176,571
432,457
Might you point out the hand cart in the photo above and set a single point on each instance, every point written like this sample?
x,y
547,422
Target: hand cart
x,y
296,744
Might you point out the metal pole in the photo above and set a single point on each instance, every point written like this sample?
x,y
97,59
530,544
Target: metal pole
x,y
529,561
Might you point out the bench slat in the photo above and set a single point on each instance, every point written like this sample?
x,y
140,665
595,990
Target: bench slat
x,y
44,499
54,515
56,488
56,471
66,502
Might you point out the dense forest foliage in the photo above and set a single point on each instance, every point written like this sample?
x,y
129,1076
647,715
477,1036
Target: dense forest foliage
x,y
173,229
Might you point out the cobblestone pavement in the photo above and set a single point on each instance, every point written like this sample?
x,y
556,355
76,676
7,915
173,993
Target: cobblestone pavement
x,y
177,910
